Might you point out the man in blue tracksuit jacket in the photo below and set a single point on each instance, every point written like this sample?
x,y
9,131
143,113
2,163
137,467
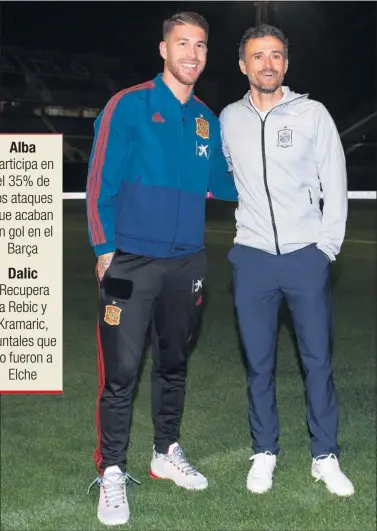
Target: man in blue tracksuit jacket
x,y
157,151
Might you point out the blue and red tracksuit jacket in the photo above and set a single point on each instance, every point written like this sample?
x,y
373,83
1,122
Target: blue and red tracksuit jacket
x,y
152,162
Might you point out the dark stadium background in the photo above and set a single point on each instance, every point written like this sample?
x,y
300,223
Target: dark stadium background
x,y
60,62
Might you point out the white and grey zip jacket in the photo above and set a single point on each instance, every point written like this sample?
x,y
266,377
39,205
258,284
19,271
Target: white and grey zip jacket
x,y
280,163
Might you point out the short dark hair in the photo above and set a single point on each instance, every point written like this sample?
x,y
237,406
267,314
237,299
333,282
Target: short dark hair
x,y
184,17
258,32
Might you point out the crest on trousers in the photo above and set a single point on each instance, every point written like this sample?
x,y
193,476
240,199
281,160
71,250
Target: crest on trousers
x,y
202,127
112,315
285,137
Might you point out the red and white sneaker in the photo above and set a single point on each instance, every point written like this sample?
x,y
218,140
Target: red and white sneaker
x,y
113,506
175,467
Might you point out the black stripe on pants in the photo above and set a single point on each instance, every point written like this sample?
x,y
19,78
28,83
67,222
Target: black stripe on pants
x,y
136,291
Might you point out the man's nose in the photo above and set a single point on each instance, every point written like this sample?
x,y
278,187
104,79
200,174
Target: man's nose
x,y
268,63
191,52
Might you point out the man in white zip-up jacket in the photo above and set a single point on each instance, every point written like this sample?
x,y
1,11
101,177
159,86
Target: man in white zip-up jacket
x,y
284,149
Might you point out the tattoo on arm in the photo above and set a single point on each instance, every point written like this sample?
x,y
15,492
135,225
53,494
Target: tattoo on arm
x,y
103,264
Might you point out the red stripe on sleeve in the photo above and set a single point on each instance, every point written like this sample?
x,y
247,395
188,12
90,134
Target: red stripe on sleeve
x,y
95,173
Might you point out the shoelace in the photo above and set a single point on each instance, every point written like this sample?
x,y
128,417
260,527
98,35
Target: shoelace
x,y
114,484
181,462
259,464
329,460
114,488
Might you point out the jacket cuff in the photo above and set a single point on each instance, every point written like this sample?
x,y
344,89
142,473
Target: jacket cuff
x,y
108,247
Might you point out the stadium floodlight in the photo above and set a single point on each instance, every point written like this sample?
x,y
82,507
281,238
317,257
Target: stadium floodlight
x,y
261,13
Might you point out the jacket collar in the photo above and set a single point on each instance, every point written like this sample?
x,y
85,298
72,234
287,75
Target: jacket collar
x,y
165,90
289,96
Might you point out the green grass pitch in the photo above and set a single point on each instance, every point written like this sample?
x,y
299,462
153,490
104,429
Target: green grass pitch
x,y
47,442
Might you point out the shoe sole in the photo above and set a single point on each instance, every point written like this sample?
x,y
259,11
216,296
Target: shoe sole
x,y
318,477
200,487
111,524
258,491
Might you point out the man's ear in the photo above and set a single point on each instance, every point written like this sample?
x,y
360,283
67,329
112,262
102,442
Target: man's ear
x,y
242,67
286,66
163,49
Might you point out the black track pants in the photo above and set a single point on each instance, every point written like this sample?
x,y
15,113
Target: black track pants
x,y
137,291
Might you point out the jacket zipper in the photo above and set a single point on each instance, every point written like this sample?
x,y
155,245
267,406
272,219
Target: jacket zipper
x,y
310,197
266,187
181,173
265,172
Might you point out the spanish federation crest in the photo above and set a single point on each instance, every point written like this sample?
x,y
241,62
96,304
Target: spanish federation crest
x,y
202,127
285,138
112,315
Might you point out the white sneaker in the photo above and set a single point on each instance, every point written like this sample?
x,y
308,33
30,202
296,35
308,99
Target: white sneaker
x,y
113,506
174,466
327,468
259,479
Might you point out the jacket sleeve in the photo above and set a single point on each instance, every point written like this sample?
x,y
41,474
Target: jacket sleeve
x,y
331,166
110,151
221,182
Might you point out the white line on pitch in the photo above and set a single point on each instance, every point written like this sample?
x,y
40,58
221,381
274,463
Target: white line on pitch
x,y
370,242
80,228
227,231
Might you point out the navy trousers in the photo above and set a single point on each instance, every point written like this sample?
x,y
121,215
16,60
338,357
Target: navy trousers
x,y
260,282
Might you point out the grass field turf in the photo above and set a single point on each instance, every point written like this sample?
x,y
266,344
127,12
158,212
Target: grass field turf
x,y
47,442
